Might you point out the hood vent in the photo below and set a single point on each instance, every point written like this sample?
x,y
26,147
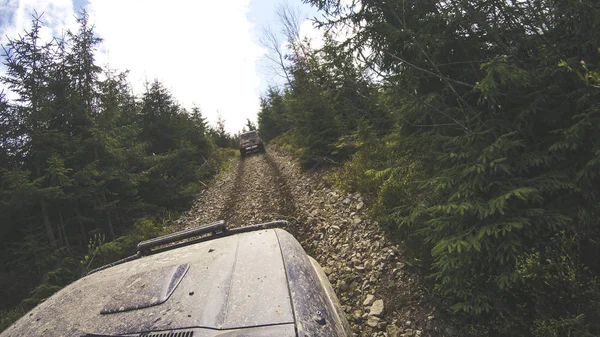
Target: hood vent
x,y
145,289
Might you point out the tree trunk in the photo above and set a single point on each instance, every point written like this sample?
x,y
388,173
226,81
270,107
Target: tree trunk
x,y
48,225
111,230
35,251
63,230
81,228
59,237
117,217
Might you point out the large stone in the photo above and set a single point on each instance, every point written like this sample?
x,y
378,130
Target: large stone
x,y
369,300
408,333
392,330
376,308
372,321
343,286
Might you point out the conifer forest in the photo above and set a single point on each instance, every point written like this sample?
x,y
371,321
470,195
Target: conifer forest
x,y
471,128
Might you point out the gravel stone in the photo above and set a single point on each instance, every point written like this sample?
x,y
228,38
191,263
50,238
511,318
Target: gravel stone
x,y
369,300
372,321
376,308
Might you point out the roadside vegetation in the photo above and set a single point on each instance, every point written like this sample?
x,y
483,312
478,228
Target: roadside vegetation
x,y
87,169
472,128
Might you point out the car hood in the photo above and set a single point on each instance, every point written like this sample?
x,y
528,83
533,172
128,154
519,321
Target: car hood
x,y
228,283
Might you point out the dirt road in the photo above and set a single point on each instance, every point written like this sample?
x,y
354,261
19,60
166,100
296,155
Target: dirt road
x,y
253,191
362,264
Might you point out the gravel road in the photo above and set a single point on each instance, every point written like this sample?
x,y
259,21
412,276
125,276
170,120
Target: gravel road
x,y
253,191
377,289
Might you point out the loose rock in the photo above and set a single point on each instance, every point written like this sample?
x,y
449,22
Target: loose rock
x,y
343,286
376,308
369,300
392,330
372,321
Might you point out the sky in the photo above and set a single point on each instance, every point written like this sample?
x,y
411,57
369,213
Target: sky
x,y
207,53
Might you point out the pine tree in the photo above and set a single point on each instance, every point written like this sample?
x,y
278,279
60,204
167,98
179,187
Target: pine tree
x,y
28,60
249,125
220,135
158,108
273,116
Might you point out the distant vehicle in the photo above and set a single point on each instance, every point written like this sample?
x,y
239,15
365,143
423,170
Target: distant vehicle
x,y
208,281
251,142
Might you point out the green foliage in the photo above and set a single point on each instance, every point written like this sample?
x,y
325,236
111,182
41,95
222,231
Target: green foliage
x,y
222,138
63,272
328,101
273,117
489,171
249,126
9,316
286,143
101,252
86,168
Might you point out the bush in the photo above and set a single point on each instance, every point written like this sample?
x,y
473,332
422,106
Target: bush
x,y
8,317
101,253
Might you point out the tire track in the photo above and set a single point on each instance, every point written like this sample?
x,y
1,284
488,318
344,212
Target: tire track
x,y
260,194
228,210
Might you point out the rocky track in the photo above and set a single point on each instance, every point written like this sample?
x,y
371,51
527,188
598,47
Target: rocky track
x,y
377,290
252,192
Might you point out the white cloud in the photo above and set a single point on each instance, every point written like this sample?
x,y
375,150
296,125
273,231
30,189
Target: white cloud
x,y
316,35
203,51
339,33
16,16
312,33
57,14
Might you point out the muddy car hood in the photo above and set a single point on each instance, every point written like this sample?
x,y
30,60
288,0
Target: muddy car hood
x,y
234,282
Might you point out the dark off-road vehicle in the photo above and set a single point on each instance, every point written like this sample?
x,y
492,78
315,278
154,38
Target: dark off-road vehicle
x,y
250,142
208,281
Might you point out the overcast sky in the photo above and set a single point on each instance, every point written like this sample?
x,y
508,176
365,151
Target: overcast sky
x,y
206,52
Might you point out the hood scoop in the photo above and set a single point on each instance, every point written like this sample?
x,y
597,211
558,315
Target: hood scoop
x,y
145,289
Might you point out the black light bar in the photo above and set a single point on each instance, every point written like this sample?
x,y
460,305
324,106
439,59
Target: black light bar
x,y
213,228
216,229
